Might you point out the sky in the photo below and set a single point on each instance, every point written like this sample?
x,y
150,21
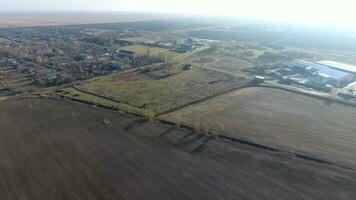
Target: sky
x,y
318,12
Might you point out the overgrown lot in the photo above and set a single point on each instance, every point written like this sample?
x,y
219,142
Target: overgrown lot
x,y
162,95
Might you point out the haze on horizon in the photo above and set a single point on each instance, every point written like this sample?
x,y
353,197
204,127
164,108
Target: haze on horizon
x,y
311,12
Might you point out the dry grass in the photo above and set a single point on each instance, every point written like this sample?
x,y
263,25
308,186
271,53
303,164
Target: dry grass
x,y
164,94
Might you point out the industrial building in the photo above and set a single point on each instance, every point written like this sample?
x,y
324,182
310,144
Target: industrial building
x,y
321,70
339,66
313,75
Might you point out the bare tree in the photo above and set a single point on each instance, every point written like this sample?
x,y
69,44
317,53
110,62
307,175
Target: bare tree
x,y
150,115
107,121
205,129
178,121
196,127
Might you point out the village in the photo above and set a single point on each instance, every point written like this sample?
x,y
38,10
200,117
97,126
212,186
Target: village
x,y
37,57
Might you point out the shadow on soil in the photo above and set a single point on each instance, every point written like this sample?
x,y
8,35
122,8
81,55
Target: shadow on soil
x,y
136,123
168,131
202,147
196,143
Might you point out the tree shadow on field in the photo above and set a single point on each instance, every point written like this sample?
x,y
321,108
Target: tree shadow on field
x,y
189,138
136,123
166,132
329,102
203,146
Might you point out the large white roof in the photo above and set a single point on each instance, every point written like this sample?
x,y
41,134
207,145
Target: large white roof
x,y
338,65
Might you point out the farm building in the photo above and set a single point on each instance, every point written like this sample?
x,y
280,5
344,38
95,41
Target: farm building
x,y
115,65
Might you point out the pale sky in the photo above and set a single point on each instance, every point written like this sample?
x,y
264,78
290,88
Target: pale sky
x,y
323,12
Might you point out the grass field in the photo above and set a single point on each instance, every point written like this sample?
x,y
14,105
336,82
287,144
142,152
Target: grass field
x,y
52,149
142,50
164,94
222,58
75,94
280,119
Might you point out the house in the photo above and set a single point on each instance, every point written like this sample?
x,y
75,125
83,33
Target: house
x,y
51,76
126,54
350,94
258,80
82,56
187,67
115,65
183,48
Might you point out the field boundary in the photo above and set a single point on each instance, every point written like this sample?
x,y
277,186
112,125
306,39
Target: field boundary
x,y
221,136
261,146
345,103
225,136
102,96
201,100
164,112
260,86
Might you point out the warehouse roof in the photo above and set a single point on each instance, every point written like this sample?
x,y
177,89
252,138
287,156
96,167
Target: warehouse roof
x,y
338,65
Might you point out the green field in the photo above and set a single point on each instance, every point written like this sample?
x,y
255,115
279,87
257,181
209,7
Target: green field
x,y
281,119
163,94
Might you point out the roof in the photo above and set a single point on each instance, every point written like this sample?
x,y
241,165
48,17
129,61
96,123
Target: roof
x,y
338,65
51,75
127,52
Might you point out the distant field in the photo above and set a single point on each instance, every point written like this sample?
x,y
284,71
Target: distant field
x,y
164,94
47,19
52,150
226,63
301,37
161,23
221,57
242,36
280,119
142,50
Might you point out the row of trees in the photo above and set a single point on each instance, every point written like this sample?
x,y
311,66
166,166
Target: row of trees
x,y
201,128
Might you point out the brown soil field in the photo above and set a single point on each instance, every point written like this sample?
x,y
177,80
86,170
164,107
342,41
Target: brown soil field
x,y
280,119
54,149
